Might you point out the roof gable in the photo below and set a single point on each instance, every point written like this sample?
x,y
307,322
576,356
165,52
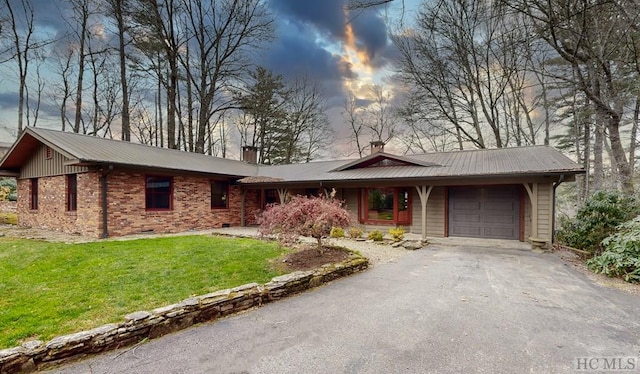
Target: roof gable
x,y
382,159
90,150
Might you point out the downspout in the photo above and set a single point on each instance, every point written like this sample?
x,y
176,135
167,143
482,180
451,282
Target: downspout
x,y
553,209
105,219
242,206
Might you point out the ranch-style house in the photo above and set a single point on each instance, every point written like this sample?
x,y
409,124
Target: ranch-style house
x,y
101,188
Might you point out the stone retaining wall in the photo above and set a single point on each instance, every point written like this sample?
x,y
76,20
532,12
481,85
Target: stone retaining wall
x,y
138,326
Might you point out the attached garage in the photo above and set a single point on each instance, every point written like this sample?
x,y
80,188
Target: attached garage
x,y
491,212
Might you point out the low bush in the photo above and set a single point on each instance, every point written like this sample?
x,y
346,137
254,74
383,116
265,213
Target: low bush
x,y
8,188
597,219
621,255
397,233
355,232
376,236
9,218
337,232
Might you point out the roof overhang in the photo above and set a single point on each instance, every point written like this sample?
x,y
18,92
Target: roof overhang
x,y
507,178
4,173
23,148
157,170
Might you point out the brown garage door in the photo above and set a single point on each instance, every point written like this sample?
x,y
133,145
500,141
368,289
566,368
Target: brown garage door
x,y
485,212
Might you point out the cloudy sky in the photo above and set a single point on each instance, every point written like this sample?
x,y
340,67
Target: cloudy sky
x,y
318,38
345,51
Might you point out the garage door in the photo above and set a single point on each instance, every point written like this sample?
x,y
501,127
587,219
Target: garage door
x,y
485,212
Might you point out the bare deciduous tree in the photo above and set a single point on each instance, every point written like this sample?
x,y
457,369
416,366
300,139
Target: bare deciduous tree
x,y
117,11
352,116
465,59
222,33
158,37
22,47
592,38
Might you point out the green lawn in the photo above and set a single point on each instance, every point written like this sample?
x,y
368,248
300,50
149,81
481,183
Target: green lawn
x,y
49,289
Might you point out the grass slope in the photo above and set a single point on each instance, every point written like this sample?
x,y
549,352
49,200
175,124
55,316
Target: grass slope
x,y
49,289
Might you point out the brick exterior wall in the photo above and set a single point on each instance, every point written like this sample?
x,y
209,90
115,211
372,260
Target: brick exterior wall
x,y
126,206
191,206
8,207
252,207
52,213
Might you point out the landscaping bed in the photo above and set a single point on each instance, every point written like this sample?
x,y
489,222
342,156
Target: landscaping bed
x,y
309,257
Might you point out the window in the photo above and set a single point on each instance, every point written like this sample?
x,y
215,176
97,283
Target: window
x,y
312,192
72,192
388,162
219,195
159,193
386,205
271,196
48,153
380,204
33,194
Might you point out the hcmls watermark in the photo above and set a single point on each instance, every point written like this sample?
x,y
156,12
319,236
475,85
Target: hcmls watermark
x,y
613,364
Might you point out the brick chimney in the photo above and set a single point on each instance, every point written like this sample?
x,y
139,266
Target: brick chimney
x,y
250,154
377,146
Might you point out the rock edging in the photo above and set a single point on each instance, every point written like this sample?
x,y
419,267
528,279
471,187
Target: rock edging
x,y
142,325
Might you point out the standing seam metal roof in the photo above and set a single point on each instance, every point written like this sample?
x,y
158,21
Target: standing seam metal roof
x,y
91,149
505,161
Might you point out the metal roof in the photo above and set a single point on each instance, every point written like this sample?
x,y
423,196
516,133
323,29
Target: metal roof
x,y
533,160
86,150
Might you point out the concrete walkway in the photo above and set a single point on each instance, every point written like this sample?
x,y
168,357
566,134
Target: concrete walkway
x,y
444,309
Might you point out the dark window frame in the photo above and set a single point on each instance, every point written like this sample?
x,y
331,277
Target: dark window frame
x,y
153,197
220,199
72,193
33,194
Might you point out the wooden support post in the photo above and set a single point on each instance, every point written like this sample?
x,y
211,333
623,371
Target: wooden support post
x,y
423,193
282,194
532,191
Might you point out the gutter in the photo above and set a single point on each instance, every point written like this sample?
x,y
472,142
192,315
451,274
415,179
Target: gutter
x,y
105,216
553,209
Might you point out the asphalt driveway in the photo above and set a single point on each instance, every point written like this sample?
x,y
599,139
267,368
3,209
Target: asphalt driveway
x,y
436,310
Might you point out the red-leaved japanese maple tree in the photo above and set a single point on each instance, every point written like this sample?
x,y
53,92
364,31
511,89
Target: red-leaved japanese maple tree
x,y
303,216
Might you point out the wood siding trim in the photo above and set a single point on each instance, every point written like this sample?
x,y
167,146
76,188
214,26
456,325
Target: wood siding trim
x,y
40,166
522,209
446,212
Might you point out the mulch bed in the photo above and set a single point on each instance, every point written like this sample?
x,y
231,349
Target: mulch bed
x,y
308,258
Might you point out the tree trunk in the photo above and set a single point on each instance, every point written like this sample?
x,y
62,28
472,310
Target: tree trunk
x,y
624,168
81,57
126,121
598,168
